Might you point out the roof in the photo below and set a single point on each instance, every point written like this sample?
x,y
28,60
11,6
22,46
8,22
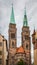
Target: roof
x,y
1,35
20,50
25,22
36,35
12,19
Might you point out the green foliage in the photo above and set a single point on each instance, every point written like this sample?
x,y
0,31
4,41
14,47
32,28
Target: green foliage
x,y
33,64
21,62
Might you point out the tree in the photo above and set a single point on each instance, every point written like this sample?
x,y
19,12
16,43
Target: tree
x,y
21,62
32,63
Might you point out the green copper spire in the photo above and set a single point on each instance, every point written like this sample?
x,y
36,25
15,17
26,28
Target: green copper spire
x,y
12,20
25,23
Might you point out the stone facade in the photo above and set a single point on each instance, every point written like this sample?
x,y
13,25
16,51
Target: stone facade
x,y
23,52
12,41
34,40
26,43
3,50
19,56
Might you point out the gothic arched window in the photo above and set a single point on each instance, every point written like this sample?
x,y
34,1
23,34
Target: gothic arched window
x,y
12,44
26,46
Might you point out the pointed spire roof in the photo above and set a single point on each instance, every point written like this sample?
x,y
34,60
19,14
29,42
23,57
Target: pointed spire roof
x,y
34,30
25,23
12,19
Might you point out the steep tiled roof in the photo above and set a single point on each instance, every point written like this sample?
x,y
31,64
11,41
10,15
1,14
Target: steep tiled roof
x,y
20,50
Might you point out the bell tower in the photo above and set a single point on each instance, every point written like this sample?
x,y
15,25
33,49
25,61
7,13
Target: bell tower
x,y
12,35
12,38
34,41
12,31
26,39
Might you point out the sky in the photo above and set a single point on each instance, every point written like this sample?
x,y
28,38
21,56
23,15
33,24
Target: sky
x,y
19,6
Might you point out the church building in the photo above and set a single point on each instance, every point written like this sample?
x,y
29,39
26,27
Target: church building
x,y
16,54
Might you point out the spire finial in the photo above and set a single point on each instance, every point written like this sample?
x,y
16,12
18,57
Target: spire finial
x,y
25,10
25,23
12,4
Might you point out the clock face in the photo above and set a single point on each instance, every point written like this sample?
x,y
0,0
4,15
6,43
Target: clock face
x,y
12,35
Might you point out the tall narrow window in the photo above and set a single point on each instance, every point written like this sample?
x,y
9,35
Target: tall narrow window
x,y
26,46
12,44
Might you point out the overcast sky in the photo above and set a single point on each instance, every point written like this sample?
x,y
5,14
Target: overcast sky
x,y
19,6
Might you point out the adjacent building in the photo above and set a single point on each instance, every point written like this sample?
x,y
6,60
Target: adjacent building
x,y
3,50
24,51
34,41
